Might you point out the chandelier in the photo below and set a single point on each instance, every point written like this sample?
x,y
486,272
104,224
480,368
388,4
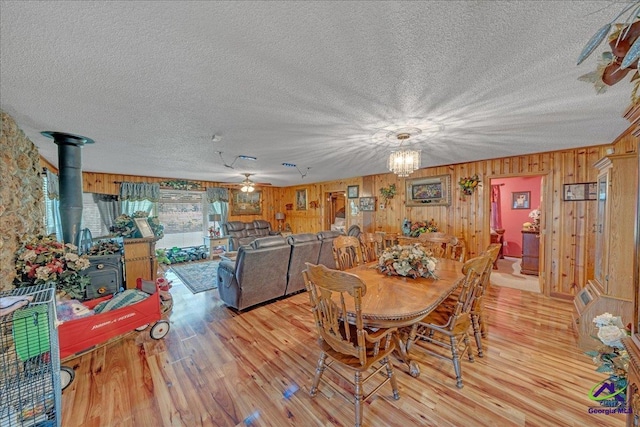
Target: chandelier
x,y
403,162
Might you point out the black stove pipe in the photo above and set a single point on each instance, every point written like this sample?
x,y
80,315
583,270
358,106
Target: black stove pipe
x,y
70,181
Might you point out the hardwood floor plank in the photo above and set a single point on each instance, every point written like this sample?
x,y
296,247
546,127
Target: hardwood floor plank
x,y
217,367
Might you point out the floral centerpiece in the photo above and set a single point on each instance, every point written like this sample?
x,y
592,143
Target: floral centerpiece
x,y
468,184
44,260
125,226
611,358
411,261
419,227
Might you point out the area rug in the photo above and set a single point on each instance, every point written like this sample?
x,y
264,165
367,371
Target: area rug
x,y
509,276
197,276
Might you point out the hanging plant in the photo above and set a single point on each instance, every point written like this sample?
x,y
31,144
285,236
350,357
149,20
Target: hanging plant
x,y
387,193
178,184
469,184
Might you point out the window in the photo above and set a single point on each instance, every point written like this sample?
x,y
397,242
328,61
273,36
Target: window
x,y
91,218
183,215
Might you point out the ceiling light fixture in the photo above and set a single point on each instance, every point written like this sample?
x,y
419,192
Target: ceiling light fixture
x,y
293,165
247,185
404,162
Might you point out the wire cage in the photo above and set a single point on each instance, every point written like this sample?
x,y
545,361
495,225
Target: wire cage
x,y
30,393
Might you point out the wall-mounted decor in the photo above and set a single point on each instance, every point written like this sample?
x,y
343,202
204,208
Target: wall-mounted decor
x,y
314,204
520,199
289,206
246,203
301,200
178,184
352,191
429,191
367,204
580,191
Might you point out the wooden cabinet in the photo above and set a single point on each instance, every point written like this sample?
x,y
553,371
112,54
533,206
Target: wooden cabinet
x,y
140,260
612,288
530,252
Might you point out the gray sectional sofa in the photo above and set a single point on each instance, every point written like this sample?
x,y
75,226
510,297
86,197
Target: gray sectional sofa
x,y
271,267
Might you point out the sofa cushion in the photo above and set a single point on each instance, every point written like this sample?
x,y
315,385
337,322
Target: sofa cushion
x,y
268,242
301,238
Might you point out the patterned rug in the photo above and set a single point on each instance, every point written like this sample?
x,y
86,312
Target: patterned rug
x,y
197,276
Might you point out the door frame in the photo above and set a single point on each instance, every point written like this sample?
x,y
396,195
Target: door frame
x,y
546,205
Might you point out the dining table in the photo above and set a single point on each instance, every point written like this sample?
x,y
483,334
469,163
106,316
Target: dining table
x,y
397,301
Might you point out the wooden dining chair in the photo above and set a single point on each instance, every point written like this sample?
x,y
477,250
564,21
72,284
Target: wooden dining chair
x,y
347,252
437,243
372,244
456,250
344,345
448,325
478,318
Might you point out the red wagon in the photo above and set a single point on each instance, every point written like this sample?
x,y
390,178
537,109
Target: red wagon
x,y
80,335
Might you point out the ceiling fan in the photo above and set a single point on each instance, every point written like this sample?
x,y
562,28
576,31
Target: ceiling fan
x,y
247,186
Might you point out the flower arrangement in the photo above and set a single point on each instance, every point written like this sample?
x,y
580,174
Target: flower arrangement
x,y
419,227
535,216
387,193
611,358
44,260
214,232
410,261
125,225
468,184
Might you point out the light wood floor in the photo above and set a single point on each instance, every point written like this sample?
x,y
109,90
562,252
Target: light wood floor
x,y
218,368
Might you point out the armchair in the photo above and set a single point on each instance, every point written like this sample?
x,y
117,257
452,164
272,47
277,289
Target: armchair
x,y
263,228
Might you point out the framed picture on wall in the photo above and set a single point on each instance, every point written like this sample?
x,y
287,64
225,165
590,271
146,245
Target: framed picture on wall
x,y
430,191
301,200
367,204
520,200
352,192
245,203
580,191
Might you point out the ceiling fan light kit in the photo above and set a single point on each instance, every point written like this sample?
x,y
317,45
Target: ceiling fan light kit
x,y
247,186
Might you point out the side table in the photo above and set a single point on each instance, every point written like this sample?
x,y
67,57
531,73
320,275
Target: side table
x,y
214,243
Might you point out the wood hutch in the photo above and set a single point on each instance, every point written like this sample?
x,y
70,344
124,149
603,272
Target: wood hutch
x,y
633,344
612,288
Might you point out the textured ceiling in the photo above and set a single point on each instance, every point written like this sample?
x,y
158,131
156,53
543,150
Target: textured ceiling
x,y
310,83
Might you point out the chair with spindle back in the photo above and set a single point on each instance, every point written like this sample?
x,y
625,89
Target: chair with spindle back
x,y
350,346
448,325
372,244
347,252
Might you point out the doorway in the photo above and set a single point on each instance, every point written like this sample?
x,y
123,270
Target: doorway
x,y
336,212
512,216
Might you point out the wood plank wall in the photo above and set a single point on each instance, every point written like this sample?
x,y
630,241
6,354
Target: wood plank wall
x,y
568,239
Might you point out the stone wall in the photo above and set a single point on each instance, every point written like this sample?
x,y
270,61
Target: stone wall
x,y
21,197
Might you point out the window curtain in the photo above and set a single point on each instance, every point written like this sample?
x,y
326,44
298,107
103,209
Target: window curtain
x,y
496,214
52,205
218,199
139,196
109,208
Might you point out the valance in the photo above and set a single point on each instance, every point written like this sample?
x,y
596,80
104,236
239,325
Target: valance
x,y
217,194
53,186
139,191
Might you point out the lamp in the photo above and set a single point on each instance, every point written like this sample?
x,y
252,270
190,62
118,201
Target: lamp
x,y
403,162
280,219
